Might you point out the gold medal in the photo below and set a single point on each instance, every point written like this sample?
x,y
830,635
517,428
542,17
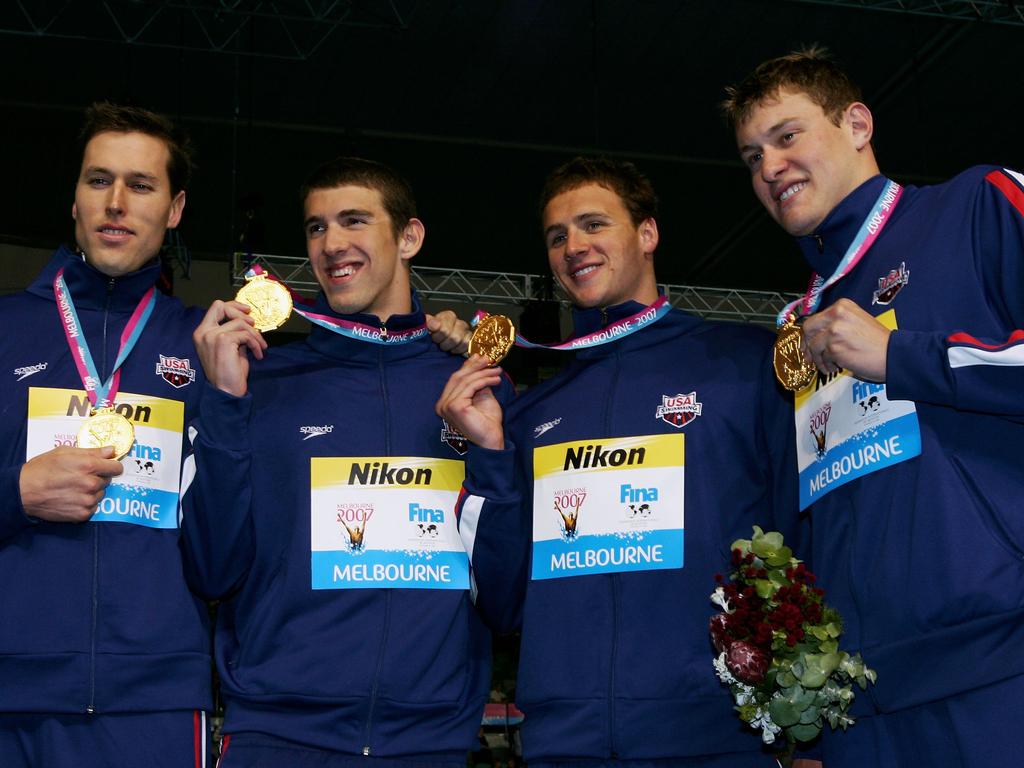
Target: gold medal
x,y
493,338
269,300
104,427
791,369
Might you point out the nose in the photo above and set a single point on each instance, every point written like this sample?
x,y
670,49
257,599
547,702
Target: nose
x,y
773,163
576,243
335,240
115,199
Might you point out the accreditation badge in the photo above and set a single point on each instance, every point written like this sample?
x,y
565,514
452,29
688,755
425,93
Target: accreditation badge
x,y
386,521
847,428
147,492
607,506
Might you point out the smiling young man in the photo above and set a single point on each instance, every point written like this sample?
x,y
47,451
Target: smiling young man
x,y
323,509
597,515
104,653
909,439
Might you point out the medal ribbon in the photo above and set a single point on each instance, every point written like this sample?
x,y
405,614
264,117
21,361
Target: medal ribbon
x,y
352,330
617,330
361,332
869,231
101,394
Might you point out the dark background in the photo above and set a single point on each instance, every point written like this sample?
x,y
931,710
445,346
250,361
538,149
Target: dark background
x,y
476,100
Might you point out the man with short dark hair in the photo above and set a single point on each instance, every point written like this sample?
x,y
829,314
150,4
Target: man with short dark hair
x,y
909,437
104,653
323,508
575,508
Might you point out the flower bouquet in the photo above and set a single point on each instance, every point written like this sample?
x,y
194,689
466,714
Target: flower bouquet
x,y
778,645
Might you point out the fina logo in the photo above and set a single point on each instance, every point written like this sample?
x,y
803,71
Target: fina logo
x,y
316,431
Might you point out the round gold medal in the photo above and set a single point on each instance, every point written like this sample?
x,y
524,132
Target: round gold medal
x,y
269,300
791,369
493,338
104,427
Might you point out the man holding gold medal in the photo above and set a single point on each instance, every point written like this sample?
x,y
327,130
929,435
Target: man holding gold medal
x,y
598,504
323,507
909,431
104,653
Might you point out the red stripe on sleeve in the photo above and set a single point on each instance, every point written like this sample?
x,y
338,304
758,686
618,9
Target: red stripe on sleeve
x,y
1013,193
964,338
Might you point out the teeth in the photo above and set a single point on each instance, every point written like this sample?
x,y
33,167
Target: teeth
x,y
343,271
112,231
584,271
790,192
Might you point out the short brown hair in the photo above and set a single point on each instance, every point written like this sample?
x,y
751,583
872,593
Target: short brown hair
x,y
104,117
621,177
810,71
395,191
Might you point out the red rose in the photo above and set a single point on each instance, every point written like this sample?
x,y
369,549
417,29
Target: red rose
x,y
747,663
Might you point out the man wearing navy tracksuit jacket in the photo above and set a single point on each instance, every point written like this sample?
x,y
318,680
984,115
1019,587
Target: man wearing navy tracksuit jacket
x,y
923,557
601,511
323,509
104,653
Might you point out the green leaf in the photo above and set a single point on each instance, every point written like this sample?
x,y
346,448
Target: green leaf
x,y
764,588
783,712
785,679
782,557
833,629
805,732
819,667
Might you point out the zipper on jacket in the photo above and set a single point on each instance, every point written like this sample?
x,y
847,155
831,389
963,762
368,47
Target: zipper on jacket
x,y
106,315
91,707
614,577
387,593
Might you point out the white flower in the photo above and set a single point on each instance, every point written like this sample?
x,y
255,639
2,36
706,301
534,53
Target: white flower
x,y
744,694
723,671
718,598
769,729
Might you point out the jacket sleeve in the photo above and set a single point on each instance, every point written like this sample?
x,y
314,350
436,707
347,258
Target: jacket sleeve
x,y
494,525
957,368
216,526
12,514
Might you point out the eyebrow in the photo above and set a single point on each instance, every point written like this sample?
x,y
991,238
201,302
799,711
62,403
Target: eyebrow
x,y
576,219
770,132
339,215
131,174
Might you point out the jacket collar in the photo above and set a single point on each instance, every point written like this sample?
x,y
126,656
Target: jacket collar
x,y
825,248
91,289
335,345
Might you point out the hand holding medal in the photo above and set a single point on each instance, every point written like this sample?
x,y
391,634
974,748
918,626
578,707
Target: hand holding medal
x,y
269,301
792,369
492,338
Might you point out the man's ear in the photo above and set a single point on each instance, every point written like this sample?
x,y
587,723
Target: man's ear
x,y
861,124
648,230
177,206
411,239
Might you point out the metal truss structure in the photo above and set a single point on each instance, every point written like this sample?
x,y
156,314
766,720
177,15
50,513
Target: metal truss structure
x,y
993,11
496,289
282,29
